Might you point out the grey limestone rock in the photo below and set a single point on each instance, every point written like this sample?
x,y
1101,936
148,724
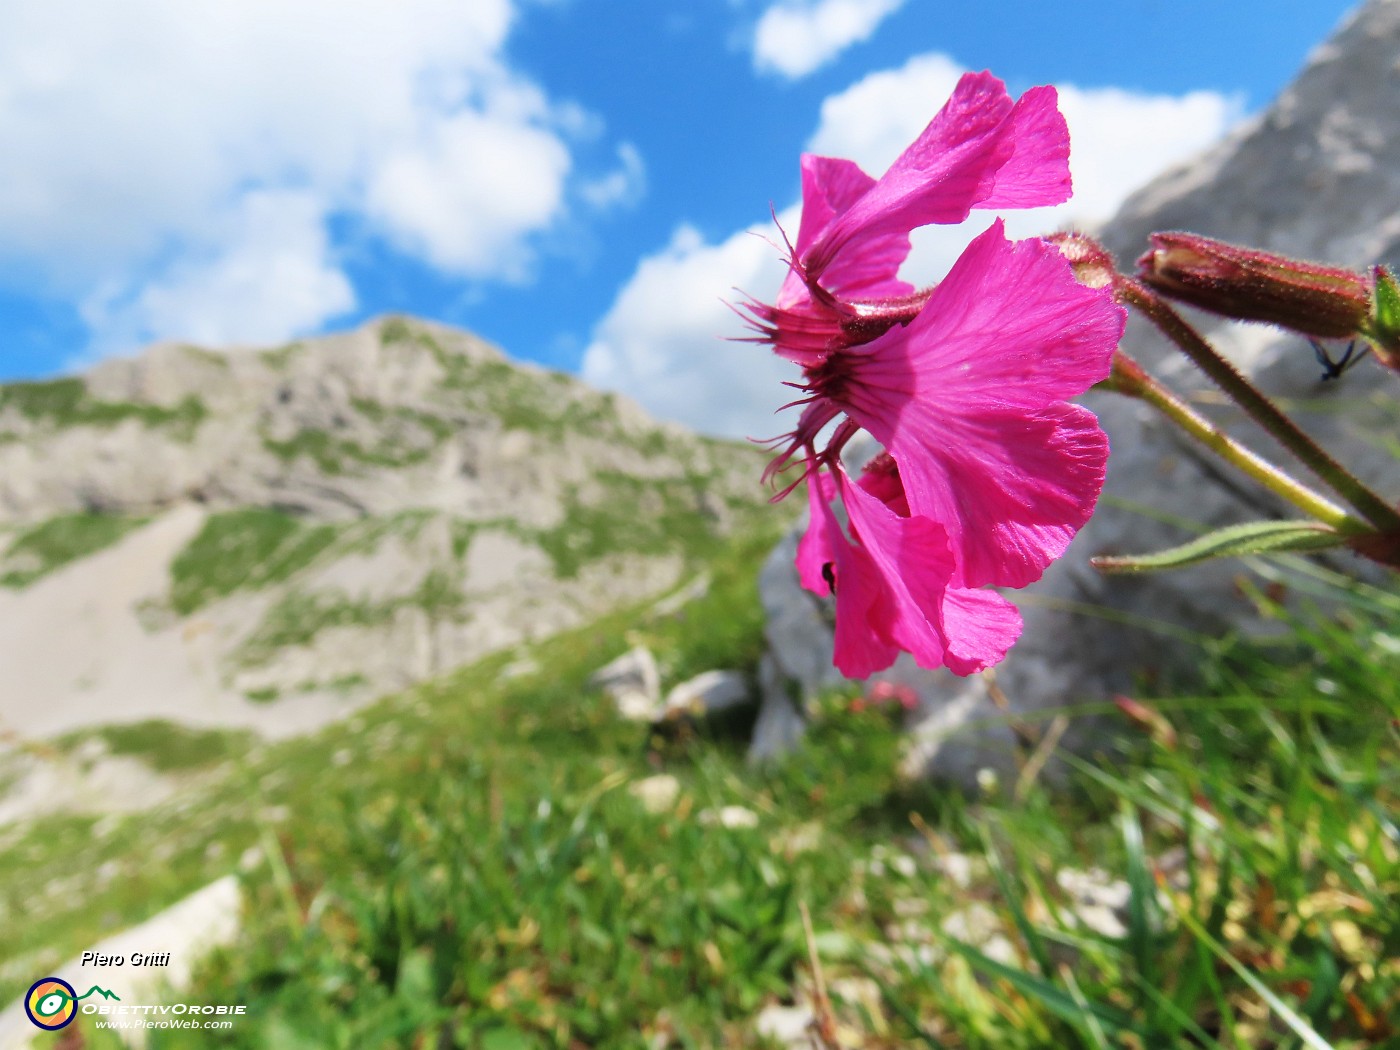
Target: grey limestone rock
x,y
708,693
780,724
633,682
798,625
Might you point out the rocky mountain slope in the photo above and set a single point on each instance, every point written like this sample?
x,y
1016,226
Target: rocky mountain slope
x,y
265,538
1317,175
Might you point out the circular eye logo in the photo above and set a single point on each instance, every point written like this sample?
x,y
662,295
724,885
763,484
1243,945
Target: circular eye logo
x,y
51,1003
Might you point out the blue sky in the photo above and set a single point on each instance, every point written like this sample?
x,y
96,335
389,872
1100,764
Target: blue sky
x,y
572,179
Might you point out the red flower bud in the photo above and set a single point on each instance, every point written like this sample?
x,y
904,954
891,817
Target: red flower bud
x,y
1319,301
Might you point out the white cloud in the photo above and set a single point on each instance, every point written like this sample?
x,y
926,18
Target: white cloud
x,y
796,37
271,275
465,196
657,342
876,117
623,185
662,340
1121,139
131,132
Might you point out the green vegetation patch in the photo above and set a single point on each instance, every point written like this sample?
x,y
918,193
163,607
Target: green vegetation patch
x,y
549,404
68,403
478,874
631,515
39,550
242,550
395,330
166,746
278,359
212,358
404,436
466,865
299,616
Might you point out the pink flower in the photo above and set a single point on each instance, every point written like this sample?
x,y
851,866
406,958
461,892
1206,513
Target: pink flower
x,y
968,400
988,472
885,692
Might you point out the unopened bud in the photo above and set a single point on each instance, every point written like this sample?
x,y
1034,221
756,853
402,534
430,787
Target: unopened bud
x,y
1251,285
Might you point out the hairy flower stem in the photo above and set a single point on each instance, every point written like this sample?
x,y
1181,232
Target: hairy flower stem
x,y
1129,378
1264,412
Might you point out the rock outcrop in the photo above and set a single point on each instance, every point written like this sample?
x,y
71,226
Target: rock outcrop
x,y
265,538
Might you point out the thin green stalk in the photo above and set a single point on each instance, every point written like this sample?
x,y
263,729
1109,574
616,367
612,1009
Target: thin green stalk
x,y
1264,412
1132,379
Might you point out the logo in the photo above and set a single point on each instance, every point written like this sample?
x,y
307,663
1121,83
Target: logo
x,y
51,1003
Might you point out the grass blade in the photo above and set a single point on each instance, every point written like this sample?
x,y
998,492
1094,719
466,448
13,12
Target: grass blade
x,y
1059,1003
1297,1024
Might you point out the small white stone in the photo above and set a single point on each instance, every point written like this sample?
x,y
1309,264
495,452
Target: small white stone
x,y
657,794
802,839
633,681
904,865
785,1024
956,867
730,817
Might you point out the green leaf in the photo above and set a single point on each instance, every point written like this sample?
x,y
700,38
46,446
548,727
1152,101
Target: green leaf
x,y
1141,903
1062,1004
1009,893
895,1001
1385,311
1254,537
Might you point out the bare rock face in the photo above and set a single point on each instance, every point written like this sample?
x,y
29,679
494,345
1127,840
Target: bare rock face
x,y
267,537
1315,176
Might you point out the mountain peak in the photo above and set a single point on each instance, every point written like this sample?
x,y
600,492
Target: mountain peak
x,y
396,414
326,520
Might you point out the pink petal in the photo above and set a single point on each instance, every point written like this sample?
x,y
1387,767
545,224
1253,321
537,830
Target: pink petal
x,y
817,548
892,590
1009,327
912,558
1011,487
880,478
981,626
862,644
1037,173
957,164
830,185
966,398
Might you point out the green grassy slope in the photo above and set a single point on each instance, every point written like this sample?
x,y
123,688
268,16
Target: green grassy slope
x,y
465,865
